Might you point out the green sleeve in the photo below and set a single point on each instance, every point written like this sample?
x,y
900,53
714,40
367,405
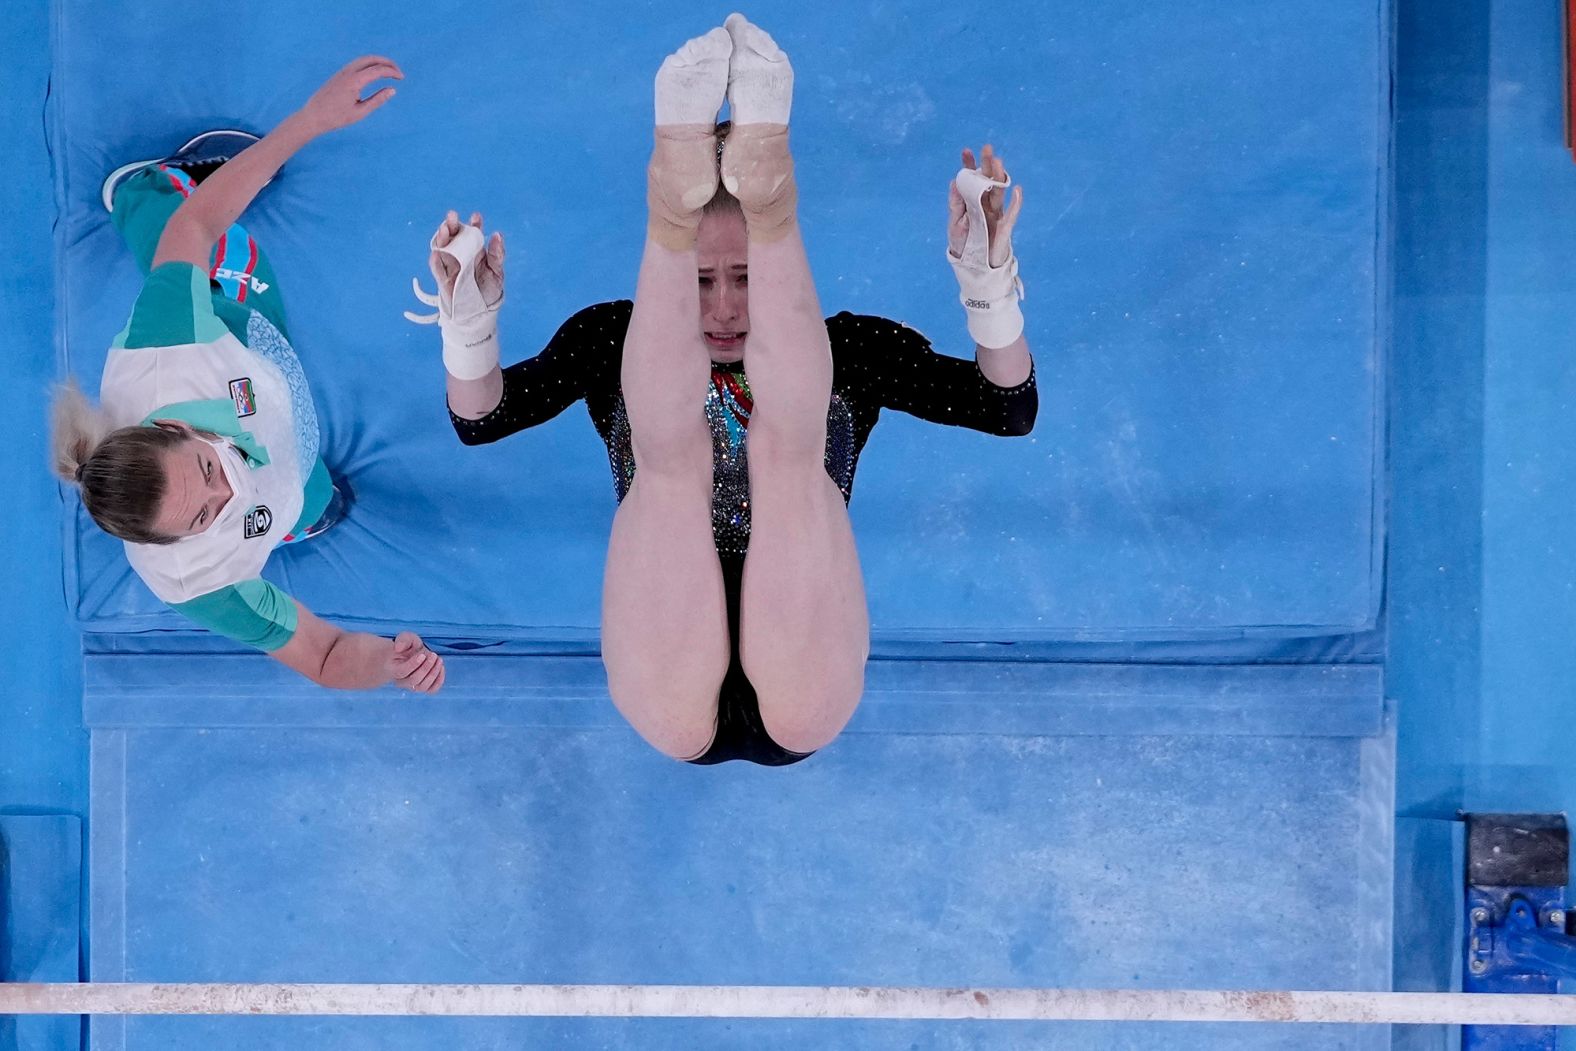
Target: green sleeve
x,y
253,612
174,308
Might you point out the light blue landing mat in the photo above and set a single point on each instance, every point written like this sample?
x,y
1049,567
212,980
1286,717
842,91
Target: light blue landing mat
x,y
373,851
1201,246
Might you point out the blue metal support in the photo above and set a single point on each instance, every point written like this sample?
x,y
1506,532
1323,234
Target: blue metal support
x,y
1516,920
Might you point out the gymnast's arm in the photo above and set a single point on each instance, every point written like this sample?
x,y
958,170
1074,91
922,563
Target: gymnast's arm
x,y
203,217
468,268
475,399
894,367
989,284
487,402
890,365
525,394
1008,366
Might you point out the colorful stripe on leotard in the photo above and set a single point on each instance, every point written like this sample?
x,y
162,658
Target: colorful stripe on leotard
x,y
733,394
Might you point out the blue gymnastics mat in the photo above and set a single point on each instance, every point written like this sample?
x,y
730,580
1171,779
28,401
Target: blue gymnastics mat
x,y
364,848
1205,227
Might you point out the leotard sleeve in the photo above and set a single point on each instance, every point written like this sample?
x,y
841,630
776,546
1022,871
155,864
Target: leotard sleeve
x,y
581,356
894,367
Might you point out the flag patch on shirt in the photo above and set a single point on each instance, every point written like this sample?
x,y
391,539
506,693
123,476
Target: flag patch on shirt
x,y
258,519
244,397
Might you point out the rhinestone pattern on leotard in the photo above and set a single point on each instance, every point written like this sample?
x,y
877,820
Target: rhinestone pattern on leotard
x,y
727,409
877,364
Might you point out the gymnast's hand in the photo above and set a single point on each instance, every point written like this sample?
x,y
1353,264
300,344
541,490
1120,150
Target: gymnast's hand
x,y
446,270
414,666
339,103
998,221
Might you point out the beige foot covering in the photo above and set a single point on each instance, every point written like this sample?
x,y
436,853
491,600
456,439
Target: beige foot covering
x,y
681,178
758,169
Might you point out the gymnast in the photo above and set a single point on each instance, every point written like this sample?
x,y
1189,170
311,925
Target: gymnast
x,y
734,623
203,454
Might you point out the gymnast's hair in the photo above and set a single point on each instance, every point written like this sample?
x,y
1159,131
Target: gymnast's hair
x,y
722,201
120,473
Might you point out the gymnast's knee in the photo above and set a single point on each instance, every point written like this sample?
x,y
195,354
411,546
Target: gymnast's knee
x,y
673,727
809,718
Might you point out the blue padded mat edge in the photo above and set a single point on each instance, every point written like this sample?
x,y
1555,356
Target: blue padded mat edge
x,y
901,696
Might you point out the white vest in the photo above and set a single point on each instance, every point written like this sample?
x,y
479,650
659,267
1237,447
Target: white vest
x,y
267,500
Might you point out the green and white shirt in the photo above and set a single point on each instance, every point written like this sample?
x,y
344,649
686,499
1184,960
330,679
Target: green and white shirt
x,y
235,376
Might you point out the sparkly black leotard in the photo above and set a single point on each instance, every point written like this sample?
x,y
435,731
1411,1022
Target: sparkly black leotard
x,y
877,364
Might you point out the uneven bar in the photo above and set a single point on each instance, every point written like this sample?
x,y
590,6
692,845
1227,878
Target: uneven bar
x,y
735,1001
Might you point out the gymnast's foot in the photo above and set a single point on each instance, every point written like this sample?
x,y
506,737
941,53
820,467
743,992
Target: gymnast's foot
x,y
756,165
682,177
694,80
760,77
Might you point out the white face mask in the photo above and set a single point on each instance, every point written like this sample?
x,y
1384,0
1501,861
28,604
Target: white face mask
x,y
239,475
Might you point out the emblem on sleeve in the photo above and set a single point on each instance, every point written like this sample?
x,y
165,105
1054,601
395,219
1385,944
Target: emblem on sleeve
x,y
257,521
244,397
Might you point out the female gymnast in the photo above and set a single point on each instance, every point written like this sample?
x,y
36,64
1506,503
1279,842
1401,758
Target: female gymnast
x,y
734,623
203,456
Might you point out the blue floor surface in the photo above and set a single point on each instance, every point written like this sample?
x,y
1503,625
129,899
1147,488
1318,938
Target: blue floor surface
x,y
1480,579
41,902
42,744
532,855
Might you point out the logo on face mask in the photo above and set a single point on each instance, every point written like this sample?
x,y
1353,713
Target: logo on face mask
x,y
257,521
244,396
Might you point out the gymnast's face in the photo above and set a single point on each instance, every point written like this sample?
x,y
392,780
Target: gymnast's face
x,y
195,489
721,247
